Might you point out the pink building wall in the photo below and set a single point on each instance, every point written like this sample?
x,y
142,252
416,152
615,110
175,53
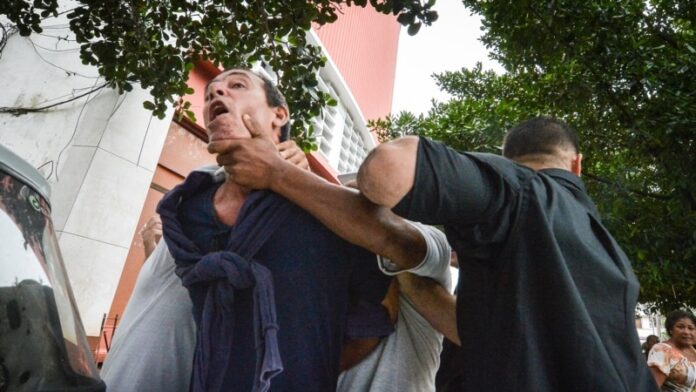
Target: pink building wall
x,y
363,45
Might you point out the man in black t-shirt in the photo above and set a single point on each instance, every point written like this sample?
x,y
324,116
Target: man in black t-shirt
x,y
546,297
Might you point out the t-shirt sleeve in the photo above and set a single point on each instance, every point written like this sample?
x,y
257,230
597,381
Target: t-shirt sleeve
x,y
452,187
660,357
435,264
367,318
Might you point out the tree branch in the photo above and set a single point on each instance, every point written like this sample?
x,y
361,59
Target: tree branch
x,y
658,196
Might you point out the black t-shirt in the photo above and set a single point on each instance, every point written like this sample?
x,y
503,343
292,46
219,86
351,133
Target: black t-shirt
x,y
546,297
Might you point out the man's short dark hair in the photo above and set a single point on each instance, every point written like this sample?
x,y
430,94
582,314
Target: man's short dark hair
x,y
539,136
675,316
274,98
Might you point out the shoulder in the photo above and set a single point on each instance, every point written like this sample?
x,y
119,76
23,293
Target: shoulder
x,y
435,152
491,166
661,353
160,264
662,347
507,169
667,350
662,357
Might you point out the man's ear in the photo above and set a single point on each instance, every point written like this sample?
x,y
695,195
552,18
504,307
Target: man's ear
x,y
576,165
282,116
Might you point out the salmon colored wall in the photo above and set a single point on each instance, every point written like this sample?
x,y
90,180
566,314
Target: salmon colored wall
x,y
363,45
319,166
198,80
182,152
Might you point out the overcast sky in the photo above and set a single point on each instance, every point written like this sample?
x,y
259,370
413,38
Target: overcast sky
x,y
448,45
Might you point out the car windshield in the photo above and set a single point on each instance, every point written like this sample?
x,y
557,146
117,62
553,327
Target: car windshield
x,y
42,344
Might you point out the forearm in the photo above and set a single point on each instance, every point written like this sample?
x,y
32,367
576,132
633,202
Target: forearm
x,y
433,302
352,216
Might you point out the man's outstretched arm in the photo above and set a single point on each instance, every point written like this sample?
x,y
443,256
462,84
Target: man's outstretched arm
x,y
353,217
255,163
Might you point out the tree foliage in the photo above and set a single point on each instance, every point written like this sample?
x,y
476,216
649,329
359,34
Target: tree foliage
x,y
621,73
156,43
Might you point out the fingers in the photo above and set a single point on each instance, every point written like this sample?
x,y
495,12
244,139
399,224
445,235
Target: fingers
x,y
228,145
291,152
154,223
220,146
288,148
298,160
226,161
255,128
289,155
151,231
287,145
225,146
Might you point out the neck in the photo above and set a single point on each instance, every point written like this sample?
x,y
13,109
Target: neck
x,y
537,162
227,202
540,165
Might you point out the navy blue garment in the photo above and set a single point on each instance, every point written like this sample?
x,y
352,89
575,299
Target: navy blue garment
x,y
223,273
318,280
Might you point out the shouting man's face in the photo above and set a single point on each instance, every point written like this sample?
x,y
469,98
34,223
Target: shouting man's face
x,y
234,93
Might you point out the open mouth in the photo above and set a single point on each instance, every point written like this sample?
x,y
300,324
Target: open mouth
x,y
216,109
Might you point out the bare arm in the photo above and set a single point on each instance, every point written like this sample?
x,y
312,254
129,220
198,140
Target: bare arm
x,y
151,233
389,171
426,287
354,218
256,164
433,302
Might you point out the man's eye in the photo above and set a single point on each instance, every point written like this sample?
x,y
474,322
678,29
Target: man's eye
x,y
237,85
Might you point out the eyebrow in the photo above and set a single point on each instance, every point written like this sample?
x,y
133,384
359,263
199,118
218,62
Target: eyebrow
x,y
226,74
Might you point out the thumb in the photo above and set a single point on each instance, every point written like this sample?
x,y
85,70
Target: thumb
x,y
255,129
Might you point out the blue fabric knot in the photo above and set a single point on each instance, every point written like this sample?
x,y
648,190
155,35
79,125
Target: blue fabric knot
x,y
226,272
221,265
223,273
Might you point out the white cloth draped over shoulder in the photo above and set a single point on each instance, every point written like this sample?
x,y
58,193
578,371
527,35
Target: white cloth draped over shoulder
x,y
153,345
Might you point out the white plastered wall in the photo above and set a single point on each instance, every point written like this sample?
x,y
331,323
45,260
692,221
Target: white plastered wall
x,y
343,95
98,152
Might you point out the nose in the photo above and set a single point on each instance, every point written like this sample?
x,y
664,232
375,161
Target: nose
x,y
215,90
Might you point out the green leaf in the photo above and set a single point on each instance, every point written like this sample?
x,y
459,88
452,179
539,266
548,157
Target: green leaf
x,y
413,29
